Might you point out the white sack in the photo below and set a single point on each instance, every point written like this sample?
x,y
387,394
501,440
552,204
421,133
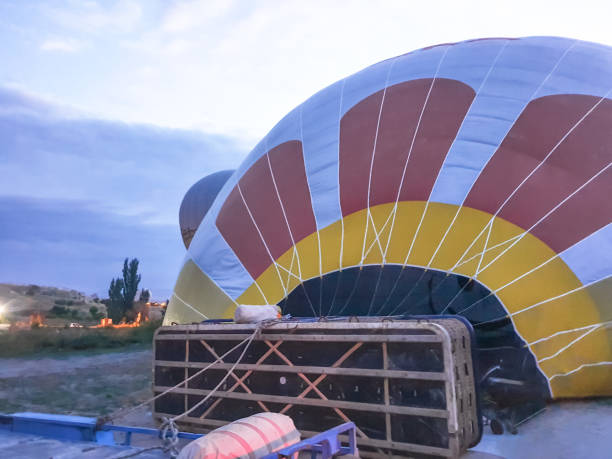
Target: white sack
x,y
252,314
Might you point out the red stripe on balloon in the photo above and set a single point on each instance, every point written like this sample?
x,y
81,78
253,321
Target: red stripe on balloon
x,y
586,150
261,198
287,163
238,230
400,116
446,108
258,188
534,134
581,215
357,133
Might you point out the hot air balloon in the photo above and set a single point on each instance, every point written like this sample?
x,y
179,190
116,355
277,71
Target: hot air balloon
x,y
470,178
197,201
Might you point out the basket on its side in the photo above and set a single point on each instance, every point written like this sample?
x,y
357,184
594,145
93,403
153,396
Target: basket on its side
x,y
408,385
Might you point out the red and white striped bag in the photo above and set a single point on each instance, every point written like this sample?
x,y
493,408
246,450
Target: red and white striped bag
x,y
247,438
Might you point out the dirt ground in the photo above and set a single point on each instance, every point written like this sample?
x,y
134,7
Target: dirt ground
x,y
100,384
83,384
565,430
88,385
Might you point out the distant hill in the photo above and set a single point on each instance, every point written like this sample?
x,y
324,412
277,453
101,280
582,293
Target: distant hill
x,y
20,301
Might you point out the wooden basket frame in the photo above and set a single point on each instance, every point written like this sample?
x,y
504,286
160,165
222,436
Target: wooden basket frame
x,y
461,413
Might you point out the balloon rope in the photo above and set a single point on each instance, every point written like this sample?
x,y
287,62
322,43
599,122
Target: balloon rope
x,y
535,93
368,215
486,244
320,296
448,305
540,303
574,341
560,296
333,302
522,235
123,412
494,292
467,194
320,275
263,241
515,240
437,287
416,233
585,365
390,294
565,332
432,291
340,256
348,300
478,254
412,289
426,203
289,271
482,84
314,313
569,131
376,240
414,136
380,271
227,375
282,206
188,305
338,177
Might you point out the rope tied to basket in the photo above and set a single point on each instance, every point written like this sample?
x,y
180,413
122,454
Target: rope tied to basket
x,y
169,436
168,430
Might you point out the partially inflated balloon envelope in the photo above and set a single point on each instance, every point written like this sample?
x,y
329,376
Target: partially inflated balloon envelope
x,y
197,202
470,178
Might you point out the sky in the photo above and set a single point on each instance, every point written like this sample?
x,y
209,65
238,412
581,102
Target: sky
x,y
110,110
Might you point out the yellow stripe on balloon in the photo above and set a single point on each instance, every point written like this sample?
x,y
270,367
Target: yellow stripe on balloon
x,y
439,249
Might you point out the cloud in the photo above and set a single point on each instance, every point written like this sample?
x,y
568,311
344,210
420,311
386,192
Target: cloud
x,y
61,45
89,16
177,46
237,67
131,169
188,15
79,194
73,244
15,101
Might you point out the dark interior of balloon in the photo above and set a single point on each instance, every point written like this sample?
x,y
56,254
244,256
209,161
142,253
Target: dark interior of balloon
x,y
395,290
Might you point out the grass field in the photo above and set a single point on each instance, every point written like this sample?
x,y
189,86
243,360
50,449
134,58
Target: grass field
x,y
85,371
54,369
52,340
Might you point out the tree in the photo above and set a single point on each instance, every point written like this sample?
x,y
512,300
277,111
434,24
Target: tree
x,y
131,279
115,300
95,313
122,291
145,295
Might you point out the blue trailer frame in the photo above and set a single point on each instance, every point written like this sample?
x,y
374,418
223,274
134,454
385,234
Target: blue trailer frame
x,y
76,428
327,444
80,428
